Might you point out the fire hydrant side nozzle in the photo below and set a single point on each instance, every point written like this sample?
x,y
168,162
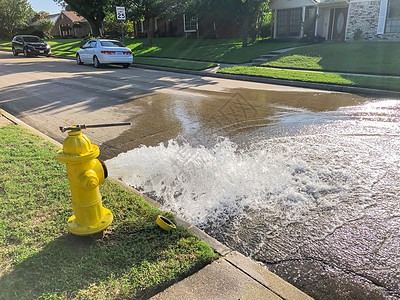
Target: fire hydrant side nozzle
x,y
85,174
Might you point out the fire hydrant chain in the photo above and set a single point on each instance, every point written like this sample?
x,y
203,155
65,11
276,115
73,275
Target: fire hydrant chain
x,y
85,174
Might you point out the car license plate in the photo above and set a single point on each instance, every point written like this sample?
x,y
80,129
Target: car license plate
x,y
41,51
119,53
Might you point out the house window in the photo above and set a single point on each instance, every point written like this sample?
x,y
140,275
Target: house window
x,y
393,17
309,22
190,24
289,22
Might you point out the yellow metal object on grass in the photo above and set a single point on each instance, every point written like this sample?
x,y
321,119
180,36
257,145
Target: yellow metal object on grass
x,y
164,223
85,175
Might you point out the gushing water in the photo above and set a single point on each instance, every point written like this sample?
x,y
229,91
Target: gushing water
x,y
209,186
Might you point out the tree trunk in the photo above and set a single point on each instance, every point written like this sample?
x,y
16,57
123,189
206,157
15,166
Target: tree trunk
x,y
150,33
95,27
245,23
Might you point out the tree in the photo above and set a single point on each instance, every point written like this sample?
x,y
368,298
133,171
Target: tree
x,y
42,12
113,27
251,13
14,14
248,13
94,11
45,26
151,9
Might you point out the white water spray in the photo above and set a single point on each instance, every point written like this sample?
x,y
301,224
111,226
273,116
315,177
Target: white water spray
x,y
211,185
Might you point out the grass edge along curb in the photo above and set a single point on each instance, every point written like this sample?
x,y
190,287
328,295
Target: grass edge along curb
x,y
170,63
40,259
382,83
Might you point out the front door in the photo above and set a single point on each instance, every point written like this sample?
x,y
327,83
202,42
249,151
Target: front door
x,y
337,24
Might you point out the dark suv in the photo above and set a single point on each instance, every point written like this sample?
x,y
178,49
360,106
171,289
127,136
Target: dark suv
x,y
29,45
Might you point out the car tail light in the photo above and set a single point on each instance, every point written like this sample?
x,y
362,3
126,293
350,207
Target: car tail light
x,y
108,52
127,52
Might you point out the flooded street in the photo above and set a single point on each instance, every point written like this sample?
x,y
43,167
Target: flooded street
x,y
305,183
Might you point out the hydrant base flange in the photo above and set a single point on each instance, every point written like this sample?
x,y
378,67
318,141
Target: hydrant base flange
x,y
79,229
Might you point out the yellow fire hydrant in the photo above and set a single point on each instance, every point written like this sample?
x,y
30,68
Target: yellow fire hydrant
x,y
85,174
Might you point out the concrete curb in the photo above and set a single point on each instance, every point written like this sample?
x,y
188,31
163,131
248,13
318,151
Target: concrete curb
x,y
235,262
22,123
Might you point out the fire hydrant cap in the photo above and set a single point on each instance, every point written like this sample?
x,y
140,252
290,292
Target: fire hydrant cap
x,y
77,143
77,146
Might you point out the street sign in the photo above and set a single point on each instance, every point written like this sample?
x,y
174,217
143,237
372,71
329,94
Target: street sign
x,y
121,13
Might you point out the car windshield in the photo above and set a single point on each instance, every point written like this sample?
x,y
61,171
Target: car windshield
x,y
32,39
112,44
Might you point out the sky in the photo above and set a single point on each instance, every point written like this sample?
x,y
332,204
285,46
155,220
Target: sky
x,y
46,5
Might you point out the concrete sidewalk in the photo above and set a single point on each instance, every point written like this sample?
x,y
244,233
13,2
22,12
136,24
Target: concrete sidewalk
x,y
233,276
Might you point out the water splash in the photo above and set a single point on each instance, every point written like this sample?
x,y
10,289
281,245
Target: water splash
x,y
209,186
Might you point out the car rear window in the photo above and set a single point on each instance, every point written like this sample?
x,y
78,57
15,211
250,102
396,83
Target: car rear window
x,y
112,44
32,39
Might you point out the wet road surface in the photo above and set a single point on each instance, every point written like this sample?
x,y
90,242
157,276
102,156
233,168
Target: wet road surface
x,y
307,183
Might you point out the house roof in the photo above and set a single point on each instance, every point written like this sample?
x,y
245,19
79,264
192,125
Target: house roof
x,y
52,17
73,16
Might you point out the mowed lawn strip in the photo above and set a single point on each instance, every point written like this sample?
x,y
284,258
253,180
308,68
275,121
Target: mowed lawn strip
x,y
382,83
134,258
179,64
380,58
5,45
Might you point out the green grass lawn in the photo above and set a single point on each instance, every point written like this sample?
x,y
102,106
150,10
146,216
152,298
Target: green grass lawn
x,y
64,45
134,258
369,57
6,45
187,65
210,50
382,83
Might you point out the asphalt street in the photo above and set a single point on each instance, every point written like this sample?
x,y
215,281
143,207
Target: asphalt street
x,y
50,92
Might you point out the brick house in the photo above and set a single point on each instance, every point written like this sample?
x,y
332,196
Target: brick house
x,y
337,20
189,26
70,24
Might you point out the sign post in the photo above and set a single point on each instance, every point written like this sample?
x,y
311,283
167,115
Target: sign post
x,y
121,16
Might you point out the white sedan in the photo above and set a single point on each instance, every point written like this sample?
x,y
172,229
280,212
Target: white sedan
x,y
99,52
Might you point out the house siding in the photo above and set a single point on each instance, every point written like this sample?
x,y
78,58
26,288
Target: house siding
x,y
224,28
364,18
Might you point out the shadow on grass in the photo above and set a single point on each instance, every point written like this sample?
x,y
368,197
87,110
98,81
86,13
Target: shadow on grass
x,y
123,263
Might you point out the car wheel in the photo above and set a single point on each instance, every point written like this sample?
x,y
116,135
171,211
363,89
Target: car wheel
x,y
15,53
78,60
25,52
96,62
126,65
